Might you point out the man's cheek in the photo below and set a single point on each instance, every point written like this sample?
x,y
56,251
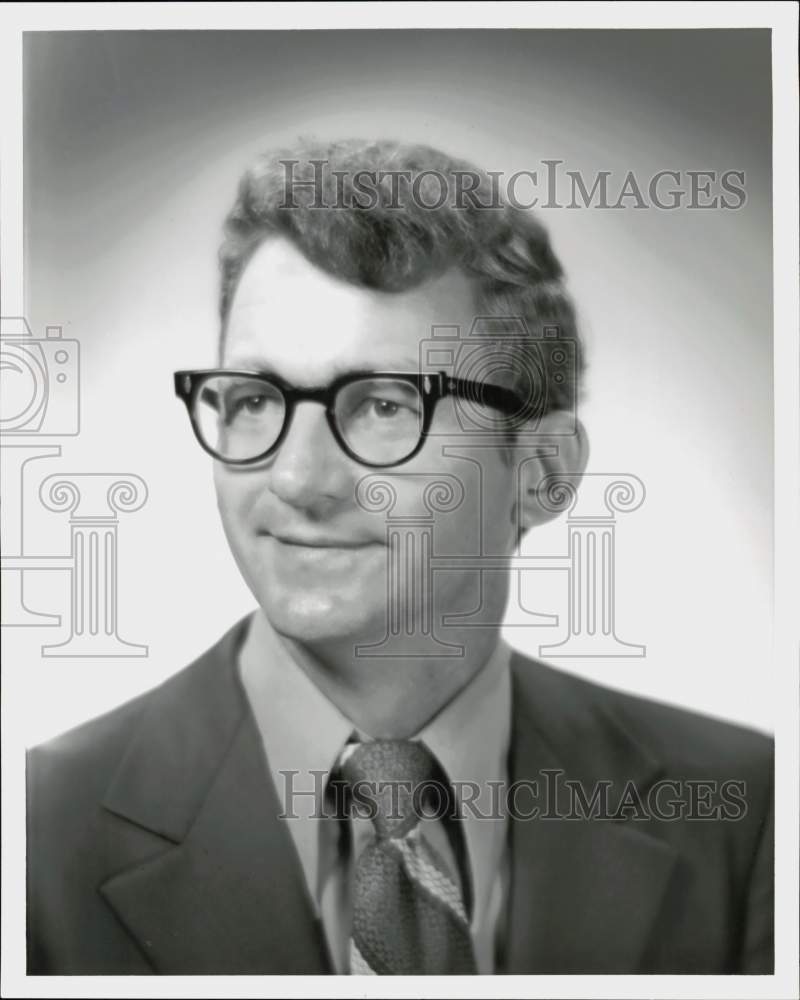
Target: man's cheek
x,y
235,501
235,509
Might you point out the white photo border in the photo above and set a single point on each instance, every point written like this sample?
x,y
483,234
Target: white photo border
x,y
782,18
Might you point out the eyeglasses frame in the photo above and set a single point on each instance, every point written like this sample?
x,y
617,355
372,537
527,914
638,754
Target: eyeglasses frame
x,y
432,386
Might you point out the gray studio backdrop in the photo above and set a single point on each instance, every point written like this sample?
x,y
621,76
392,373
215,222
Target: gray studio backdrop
x,y
133,146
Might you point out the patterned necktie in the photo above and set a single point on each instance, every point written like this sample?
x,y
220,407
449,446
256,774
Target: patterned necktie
x,y
408,913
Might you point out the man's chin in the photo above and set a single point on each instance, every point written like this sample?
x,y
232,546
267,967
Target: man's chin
x,y
313,618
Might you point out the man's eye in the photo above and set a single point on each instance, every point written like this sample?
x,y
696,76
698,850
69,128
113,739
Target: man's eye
x,y
253,404
384,407
248,405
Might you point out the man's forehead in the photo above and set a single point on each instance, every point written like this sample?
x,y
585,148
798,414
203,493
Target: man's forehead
x,y
289,313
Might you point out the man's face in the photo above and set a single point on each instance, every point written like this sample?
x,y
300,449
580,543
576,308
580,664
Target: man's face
x,y
316,560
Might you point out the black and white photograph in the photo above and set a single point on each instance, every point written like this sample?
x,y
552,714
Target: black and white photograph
x,y
399,439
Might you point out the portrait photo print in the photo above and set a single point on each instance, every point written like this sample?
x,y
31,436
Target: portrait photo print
x,y
388,508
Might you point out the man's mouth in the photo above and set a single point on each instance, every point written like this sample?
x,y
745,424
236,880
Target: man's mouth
x,y
328,551
322,541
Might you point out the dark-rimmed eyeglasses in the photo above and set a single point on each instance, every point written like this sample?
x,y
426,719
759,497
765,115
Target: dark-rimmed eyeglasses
x,y
379,419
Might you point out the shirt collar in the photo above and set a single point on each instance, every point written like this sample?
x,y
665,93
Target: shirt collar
x,y
470,739
302,731
303,734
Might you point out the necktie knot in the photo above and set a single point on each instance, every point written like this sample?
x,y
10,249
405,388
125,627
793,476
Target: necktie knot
x,y
391,780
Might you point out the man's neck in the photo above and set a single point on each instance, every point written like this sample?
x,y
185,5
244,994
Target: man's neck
x,y
393,697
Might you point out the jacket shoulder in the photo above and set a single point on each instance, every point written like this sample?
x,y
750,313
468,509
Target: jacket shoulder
x,y
682,738
83,760
75,837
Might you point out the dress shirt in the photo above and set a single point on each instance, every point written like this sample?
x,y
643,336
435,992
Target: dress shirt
x,y
304,735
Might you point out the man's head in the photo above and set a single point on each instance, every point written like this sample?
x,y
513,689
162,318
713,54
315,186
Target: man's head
x,y
342,258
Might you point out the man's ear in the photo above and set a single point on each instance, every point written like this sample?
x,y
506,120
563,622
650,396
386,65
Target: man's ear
x,y
561,430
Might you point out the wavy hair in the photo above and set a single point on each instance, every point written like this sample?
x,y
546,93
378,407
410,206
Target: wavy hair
x,y
390,216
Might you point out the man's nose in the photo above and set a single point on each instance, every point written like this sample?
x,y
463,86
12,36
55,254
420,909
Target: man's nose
x,y
309,470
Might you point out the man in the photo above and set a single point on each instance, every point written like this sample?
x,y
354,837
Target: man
x,y
270,808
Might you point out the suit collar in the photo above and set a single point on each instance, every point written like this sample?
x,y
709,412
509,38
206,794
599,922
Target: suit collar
x,y
184,734
585,893
576,725
215,896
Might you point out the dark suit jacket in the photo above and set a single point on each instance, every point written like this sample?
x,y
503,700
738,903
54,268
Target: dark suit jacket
x,y
154,844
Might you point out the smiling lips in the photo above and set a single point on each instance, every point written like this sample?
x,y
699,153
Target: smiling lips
x,y
319,541
308,550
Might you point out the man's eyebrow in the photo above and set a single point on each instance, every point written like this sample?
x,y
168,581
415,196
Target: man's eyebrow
x,y
397,363
251,363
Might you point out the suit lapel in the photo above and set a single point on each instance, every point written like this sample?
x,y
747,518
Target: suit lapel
x,y
223,891
584,893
